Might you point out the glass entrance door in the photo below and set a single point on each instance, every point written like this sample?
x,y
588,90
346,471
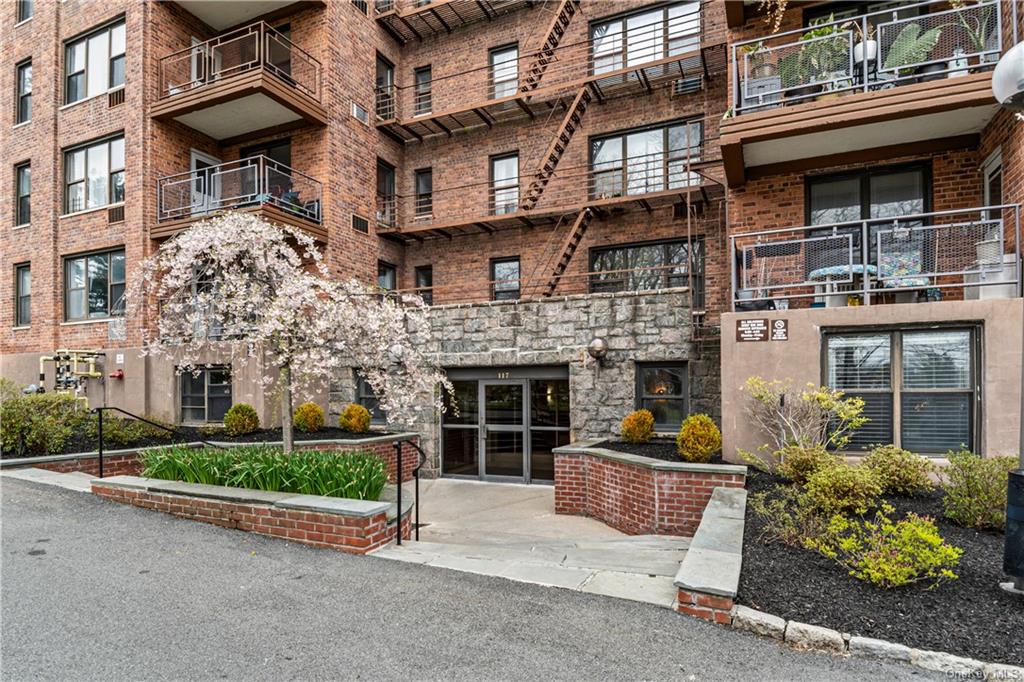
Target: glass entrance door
x,y
504,429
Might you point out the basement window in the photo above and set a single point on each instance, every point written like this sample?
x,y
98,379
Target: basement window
x,y
205,395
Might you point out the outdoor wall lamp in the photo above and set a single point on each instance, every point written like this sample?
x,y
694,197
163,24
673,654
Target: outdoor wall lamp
x,y
598,349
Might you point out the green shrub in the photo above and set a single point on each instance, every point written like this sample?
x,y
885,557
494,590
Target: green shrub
x,y
699,439
241,419
976,491
41,423
9,390
900,472
355,419
638,427
890,553
842,489
796,463
788,516
309,417
122,431
354,475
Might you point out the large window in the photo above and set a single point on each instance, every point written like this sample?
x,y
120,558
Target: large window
x,y
94,175
386,202
25,10
504,63
24,108
662,389
421,104
425,283
655,265
918,386
385,84
424,184
505,279
387,277
504,184
205,395
23,194
644,36
22,295
94,64
94,286
368,399
647,160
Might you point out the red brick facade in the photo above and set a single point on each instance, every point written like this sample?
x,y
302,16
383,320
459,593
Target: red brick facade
x,y
706,606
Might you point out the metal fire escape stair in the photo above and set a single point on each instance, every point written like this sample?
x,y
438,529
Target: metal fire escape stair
x,y
567,9
549,161
568,248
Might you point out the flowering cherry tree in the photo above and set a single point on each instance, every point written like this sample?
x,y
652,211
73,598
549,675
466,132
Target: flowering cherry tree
x,y
238,285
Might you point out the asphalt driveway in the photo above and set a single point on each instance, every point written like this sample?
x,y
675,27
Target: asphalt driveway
x,y
92,590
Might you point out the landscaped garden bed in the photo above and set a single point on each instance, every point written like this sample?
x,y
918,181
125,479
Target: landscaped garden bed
x,y
656,448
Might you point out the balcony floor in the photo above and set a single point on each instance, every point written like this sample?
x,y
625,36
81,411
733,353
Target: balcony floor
x,y
169,228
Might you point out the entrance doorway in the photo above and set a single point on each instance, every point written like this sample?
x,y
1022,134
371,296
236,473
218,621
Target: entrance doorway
x,y
503,426
205,182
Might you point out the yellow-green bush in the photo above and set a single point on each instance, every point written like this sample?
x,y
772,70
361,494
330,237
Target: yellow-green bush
x,y
309,417
842,489
355,419
788,516
638,427
889,553
699,438
797,462
900,471
241,419
976,491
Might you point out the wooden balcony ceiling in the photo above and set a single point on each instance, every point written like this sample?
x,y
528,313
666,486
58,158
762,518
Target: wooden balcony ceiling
x,y
862,127
240,106
444,16
223,14
274,214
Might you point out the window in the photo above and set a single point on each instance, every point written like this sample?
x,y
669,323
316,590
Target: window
x,y
505,279
22,295
386,201
654,265
645,160
368,399
918,386
425,283
25,10
23,192
504,62
504,184
360,114
421,103
205,395
644,36
362,6
94,175
94,64
993,190
386,275
24,112
424,192
662,389
94,286
385,88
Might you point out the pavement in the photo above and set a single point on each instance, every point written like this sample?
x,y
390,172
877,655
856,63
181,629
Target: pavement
x,y
94,590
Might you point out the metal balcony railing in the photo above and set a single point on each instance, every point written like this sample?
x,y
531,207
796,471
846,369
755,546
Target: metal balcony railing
x,y
973,251
243,183
257,46
878,50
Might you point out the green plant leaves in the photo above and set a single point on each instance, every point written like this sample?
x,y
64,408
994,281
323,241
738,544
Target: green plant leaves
x,y
911,46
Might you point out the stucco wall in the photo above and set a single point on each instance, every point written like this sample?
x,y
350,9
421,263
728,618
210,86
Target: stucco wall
x,y
799,359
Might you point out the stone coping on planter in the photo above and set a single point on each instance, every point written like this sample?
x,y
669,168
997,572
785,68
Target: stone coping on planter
x,y
712,563
567,297
585,447
44,459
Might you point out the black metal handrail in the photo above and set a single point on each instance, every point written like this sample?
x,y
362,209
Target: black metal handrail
x,y
416,478
99,430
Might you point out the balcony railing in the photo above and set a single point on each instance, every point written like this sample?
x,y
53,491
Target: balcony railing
x,y
874,51
257,46
970,253
245,183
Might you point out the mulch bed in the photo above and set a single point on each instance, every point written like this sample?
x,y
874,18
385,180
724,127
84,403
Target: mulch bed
x,y
82,442
656,448
970,616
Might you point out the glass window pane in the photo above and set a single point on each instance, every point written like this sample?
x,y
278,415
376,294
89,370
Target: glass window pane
x,y
98,170
935,423
76,165
117,187
99,64
668,413
835,201
542,460
663,381
98,274
549,402
117,154
683,27
897,194
24,281
504,453
879,428
859,362
937,359
24,180
607,46
465,401
461,452
503,403
645,34
117,40
76,273
75,57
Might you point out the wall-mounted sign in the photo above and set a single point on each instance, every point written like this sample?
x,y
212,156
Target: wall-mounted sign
x,y
780,330
760,329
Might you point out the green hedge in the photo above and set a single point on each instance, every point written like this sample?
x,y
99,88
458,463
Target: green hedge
x,y
354,475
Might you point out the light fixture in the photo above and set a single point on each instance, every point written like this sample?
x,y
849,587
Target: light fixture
x,y
598,349
1008,78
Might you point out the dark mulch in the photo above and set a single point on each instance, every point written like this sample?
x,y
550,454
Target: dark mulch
x,y
970,616
656,448
82,442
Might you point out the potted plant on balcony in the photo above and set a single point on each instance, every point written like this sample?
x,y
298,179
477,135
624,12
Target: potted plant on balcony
x,y
981,31
759,61
819,60
865,50
913,46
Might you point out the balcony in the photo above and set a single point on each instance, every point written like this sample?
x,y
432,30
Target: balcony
x,y
639,183
409,20
241,84
967,254
680,55
257,184
904,80
223,14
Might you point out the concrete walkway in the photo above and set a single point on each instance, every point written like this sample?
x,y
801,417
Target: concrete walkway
x,y
75,480
511,531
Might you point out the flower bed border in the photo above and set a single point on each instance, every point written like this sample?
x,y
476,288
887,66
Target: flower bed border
x,y
353,526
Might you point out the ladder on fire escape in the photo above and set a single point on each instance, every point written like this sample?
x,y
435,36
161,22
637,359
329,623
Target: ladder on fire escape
x,y
567,9
568,248
572,122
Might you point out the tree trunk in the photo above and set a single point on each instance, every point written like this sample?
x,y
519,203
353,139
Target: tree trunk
x,y
287,436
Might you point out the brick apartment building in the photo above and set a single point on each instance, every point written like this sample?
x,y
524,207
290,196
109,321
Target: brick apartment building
x,y
546,174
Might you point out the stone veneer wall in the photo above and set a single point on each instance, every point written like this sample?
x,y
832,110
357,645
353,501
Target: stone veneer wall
x,y
638,326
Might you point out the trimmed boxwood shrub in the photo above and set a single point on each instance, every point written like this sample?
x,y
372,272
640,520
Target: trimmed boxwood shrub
x,y
976,491
355,419
699,438
241,419
309,417
638,427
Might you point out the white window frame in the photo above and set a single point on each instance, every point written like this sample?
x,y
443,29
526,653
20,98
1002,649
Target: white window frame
x,y
84,70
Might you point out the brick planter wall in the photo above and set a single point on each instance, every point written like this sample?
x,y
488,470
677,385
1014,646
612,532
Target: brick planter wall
x,y
637,495
355,533
123,464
